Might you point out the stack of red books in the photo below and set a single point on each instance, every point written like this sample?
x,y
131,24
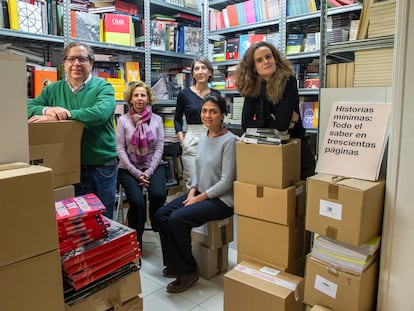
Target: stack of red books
x,y
79,221
91,245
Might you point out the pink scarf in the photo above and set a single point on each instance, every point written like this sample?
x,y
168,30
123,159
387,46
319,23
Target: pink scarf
x,y
143,136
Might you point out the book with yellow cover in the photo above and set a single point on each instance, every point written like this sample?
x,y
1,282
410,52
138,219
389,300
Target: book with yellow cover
x,y
132,71
13,14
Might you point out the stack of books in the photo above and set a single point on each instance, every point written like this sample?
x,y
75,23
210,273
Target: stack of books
x,y
382,19
91,245
79,220
266,136
97,259
367,63
343,256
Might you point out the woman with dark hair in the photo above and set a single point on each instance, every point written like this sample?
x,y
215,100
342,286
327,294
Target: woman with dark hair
x,y
188,105
140,145
210,196
265,79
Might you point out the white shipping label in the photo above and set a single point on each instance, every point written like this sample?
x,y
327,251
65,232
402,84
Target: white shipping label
x,y
330,209
325,286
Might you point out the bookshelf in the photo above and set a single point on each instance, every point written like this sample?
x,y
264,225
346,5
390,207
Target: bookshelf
x,y
332,26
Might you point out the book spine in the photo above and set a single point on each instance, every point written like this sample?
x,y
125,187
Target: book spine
x,y
13,15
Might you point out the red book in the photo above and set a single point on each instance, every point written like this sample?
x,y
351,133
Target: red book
x,y
89,262
78,284
76,241
83,225
117,28
100,263
78,207
117,234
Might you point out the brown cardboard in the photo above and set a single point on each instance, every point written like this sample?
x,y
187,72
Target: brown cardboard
x,y
296,268
214,234
32,284
13,110
280,206
252,289
57,145
348,210
27,216
276,244
268,166
64,192
339,290
113,296
211,262
320,308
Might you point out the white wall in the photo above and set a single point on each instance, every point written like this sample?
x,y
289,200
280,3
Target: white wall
x,y
397,256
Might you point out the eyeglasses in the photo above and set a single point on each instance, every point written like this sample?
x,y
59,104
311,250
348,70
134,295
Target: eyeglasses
x,y
81,59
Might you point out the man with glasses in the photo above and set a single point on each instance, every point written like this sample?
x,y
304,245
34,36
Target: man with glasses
x,y
90,100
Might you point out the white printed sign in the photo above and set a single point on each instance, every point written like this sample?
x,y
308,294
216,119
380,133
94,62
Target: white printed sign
x,y
354,140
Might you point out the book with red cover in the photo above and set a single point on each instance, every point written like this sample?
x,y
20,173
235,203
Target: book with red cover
x,y
232,48
91,261
83,225
86,268
78,207
111,267
79,240
117,29
117,235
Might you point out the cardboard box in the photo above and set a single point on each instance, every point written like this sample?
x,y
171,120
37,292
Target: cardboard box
x,y
111,297
134,304
268,166
27,216
214,234
281,206
211,262
13,110
57,145
276,244
32,284
348,210
65,192
296,268
247,287
339,290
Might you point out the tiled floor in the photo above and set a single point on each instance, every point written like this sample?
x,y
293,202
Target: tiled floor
x,y
203,295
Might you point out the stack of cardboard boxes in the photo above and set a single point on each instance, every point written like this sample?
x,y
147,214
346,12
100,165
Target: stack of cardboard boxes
x,y
271,238
210,245
30,265
349,211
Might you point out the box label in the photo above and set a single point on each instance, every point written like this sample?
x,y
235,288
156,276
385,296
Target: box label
x,y
330,209
325,286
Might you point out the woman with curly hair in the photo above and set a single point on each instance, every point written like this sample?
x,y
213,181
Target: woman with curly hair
x,y
265,79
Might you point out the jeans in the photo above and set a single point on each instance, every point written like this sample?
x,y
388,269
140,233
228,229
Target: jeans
x,y
137,212
100,180
175,222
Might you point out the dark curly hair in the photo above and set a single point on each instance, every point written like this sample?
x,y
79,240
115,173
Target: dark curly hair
x,y
216,99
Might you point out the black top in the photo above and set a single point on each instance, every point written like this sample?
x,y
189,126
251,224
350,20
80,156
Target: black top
x,y
188,104
261,113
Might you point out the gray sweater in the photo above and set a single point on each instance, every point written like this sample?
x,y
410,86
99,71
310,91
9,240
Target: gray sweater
x,y
216,167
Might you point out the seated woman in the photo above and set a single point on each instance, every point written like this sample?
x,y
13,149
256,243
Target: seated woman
x,y
140,145
210,197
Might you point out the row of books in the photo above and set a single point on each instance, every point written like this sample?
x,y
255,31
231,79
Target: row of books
x,y
170,36
340,75
246,12
234,48
265,136
298,7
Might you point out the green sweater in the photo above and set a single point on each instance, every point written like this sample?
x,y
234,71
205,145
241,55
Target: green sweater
x,y
93,106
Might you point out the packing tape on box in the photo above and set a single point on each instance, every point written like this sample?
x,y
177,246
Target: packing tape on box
x,y
269,278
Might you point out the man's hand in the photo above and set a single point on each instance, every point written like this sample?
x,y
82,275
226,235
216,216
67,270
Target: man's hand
x,y
58,113
38,119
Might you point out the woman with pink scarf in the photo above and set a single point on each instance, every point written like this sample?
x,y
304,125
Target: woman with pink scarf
x,y
140,145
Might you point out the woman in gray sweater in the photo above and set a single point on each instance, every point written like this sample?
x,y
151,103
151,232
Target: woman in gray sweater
x,y
210,197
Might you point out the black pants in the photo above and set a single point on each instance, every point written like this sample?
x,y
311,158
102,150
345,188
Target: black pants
x,y
307,159
175,222
137,212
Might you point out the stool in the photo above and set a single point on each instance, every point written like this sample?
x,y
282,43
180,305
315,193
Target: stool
x,y
119,210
